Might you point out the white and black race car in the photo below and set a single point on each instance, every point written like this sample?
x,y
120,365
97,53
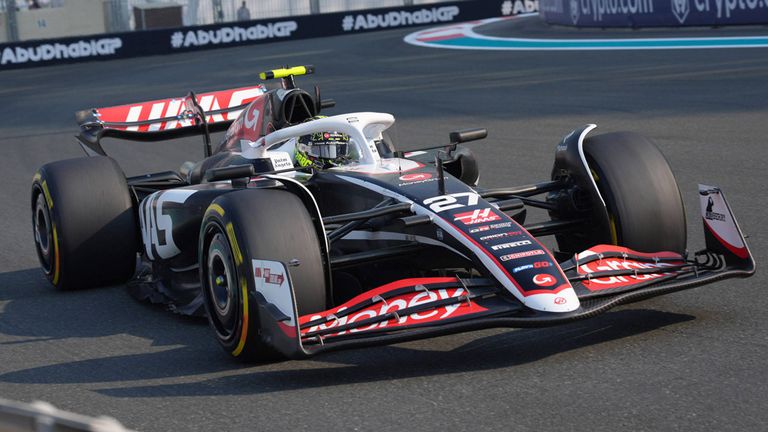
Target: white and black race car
x,y
290,261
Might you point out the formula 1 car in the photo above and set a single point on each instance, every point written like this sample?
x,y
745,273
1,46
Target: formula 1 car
x,y
290,261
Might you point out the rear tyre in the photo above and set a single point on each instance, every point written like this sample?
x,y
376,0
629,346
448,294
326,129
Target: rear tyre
x,y
262,224
84,223
645,208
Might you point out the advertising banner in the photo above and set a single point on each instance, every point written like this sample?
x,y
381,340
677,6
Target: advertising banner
x,y
168,41
653,13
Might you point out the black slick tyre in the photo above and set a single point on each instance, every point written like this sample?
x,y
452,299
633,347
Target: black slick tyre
x,y
645,209
84,223
247,225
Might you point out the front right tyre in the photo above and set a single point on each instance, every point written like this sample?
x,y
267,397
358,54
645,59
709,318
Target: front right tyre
x,y
643,204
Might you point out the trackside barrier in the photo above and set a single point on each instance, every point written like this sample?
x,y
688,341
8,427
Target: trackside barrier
x,y
169,41
42,416
653,13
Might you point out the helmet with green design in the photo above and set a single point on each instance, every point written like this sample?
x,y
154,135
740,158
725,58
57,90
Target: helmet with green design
x,y
323,150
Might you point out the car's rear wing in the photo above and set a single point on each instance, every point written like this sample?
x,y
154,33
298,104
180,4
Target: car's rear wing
x,y
164,118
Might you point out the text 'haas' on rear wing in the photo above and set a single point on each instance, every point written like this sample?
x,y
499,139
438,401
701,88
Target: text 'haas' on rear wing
x,y
164,118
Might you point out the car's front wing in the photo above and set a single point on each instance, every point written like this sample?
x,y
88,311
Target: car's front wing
x,y
605,276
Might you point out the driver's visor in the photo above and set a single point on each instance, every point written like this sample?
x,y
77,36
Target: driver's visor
x,y
329,145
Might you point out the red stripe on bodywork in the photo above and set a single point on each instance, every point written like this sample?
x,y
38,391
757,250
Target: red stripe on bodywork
x,y
613,282
602,248
739,252
396,303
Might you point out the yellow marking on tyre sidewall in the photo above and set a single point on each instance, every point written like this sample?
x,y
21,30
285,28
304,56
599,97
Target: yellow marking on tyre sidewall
x,y
47,194
244,329
243,288
217,208
614,234
36,177
55,255
611,219
49,201
233,242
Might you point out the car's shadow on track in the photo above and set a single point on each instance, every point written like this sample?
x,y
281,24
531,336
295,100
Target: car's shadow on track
x,y
39,318
499,350
35,313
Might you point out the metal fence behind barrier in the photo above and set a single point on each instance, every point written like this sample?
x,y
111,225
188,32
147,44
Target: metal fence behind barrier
x,y
201,12
99,45
61,18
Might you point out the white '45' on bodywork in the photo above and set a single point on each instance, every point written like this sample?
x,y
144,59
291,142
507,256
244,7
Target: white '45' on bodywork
x,y
153,221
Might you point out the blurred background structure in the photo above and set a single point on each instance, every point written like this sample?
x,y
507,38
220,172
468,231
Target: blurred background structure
x,y
22,20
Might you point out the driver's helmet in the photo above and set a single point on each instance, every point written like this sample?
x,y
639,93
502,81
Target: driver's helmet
x,y
323,150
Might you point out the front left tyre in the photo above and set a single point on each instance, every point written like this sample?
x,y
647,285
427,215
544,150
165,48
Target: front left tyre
x,y
84,223
244,227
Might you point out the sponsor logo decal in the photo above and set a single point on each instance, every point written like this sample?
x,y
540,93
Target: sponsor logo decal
x,y
544,280
281,161
271,280
399,18
232,34
522,267
510,245
574,5
713,215
476,216
613,264
600,8
501,225
269,277
681,9
560,300
721,225
492,226
251,116
416,178
522,254
501,235
153,110
395,304
515,7
536,265
51,51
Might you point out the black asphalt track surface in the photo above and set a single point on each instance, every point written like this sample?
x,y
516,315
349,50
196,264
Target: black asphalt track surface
x,y
691,361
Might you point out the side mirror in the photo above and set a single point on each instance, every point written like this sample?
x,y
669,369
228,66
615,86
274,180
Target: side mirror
x,y
467,135
321,103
